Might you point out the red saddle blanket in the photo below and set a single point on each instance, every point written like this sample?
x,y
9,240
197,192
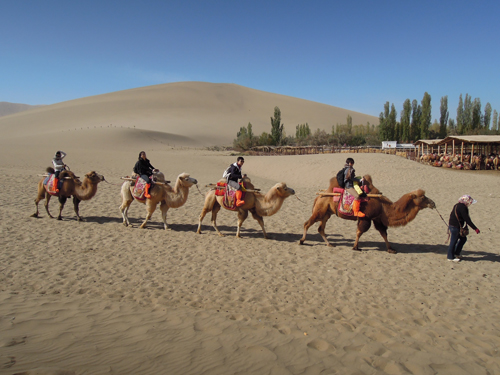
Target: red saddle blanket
x,y
229,194
48,184
139,189
345,201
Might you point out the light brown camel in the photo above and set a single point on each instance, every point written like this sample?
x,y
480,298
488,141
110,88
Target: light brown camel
x,y
72,186
381,211
257,204
167,196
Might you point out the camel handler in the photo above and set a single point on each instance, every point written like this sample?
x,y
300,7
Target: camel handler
x,y
144,169
232,174
352,186
59,166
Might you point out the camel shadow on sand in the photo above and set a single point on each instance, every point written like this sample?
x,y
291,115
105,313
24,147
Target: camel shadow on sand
x,y
404,248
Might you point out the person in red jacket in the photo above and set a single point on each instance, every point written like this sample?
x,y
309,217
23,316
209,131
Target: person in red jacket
x,y
458,217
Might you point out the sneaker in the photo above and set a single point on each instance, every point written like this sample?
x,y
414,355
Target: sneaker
x,y
459,257
454,260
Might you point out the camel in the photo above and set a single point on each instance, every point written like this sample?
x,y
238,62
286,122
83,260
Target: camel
x,y
164,194
256,203
72,186
381,211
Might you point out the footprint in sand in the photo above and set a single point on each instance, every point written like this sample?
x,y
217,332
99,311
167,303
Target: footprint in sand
x,y
46,371
319,344
285,330
262,352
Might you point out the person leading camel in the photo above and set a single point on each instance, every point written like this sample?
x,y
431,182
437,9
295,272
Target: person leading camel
x,y
144,169
232,174
59,166
458,216
351,184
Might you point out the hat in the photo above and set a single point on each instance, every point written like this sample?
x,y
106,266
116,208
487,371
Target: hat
x,y
467,200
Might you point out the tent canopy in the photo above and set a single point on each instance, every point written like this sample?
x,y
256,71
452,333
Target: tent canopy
x,y
483,139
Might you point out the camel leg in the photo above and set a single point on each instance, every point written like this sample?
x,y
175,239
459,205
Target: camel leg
x,y
260,220
320,209
383,232
215,210
40,196
62,202
124,210
363,226
321,229
203,213
150,207
46,204
242,216
76,207
164,209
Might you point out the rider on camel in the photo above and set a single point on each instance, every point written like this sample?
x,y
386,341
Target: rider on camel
x,y
59,166
352,186
232,175
144,169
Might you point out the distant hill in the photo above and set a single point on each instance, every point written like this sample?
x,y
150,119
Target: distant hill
x,y
206,113
7,108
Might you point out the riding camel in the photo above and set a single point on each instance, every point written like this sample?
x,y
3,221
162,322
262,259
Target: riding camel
x,y
256,203
71,187
380,210
163,193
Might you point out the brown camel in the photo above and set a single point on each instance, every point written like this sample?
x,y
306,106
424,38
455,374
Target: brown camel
x,y
381,211
257,204
72,186
164,194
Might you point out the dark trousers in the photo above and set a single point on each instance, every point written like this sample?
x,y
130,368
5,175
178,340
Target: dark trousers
x,y
146,178
456,242
56,174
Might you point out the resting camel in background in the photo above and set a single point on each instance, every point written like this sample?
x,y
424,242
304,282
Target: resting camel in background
x,y
71,186
257,204
163,193
381,211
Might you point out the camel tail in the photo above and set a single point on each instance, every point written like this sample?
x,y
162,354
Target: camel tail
x,y
50,170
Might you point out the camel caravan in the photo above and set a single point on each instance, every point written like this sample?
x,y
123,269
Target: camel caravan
x,y
347,197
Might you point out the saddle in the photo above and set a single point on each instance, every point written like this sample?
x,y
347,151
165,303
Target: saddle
x,y
346,200
139,189
229,194
48,184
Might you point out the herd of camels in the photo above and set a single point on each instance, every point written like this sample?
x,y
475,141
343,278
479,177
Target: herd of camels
x,y
379,209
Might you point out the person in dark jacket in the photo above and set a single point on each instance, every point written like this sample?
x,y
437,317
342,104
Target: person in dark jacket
x,y
352,186
144,169
458,217
232,175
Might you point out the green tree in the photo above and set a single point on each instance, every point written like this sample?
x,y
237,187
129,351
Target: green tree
x,y
495,120
476,116
265,139
487,116
467,116
460,116
383,119
277,127
416,113
391,124
405,121
244,138
443,120
349,124
452,129
425,119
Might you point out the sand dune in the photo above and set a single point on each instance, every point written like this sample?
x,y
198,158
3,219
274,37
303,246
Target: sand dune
x,y
208,112
97,297
7,108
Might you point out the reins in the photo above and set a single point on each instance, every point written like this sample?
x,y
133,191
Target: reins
x,y
449,234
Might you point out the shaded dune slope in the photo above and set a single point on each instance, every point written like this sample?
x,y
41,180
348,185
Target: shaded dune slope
x,y
207,113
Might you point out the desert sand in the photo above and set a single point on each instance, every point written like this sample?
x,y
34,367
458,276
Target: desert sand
x,y
96,297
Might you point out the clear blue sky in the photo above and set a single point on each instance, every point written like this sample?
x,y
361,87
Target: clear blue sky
x,y
351,54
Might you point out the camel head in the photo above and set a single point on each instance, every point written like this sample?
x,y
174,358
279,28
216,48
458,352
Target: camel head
x,y
283,191
415,198
186,181
94,177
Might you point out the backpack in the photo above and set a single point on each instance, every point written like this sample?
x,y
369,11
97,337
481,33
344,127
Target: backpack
x,y
340,178
226,172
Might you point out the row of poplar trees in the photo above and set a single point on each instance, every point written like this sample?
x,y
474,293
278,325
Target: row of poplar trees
x,y
415,120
